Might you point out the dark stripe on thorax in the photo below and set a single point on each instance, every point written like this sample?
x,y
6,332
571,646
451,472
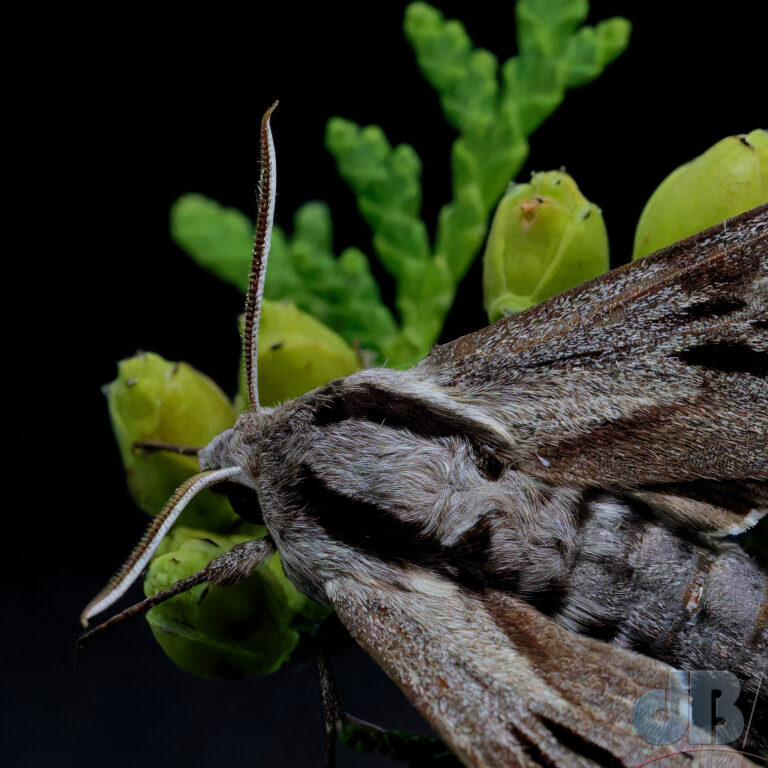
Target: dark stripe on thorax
x,y
421,417
368,528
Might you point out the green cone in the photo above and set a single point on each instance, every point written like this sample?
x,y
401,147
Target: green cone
x,y
226,632
545,237
157,400
729,178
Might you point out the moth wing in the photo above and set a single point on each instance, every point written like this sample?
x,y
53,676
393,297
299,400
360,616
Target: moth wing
x,y
502,684
650,379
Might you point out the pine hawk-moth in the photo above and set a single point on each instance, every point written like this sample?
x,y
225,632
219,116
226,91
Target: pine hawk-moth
x,y
528,529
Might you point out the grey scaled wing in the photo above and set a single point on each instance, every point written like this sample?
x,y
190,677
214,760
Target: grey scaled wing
x,y
505,686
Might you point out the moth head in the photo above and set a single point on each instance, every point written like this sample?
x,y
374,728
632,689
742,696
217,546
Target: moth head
x,y
221,461
239,447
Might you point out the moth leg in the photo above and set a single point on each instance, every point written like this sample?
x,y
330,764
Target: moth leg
x,y
333,711
413,748
334,715
228,569
153,446
236,564
361,735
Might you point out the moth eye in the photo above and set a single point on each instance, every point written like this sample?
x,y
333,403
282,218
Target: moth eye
x,y
244,501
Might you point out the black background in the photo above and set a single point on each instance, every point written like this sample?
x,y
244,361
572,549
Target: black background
x,y
126,109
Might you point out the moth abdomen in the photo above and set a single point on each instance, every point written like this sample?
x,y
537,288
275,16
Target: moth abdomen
x,y
694,602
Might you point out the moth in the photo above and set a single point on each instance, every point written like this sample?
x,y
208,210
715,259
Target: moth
x,y
528,529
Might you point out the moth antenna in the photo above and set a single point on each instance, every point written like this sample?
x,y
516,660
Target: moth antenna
x,y
144,605
265,214
229,568
122,580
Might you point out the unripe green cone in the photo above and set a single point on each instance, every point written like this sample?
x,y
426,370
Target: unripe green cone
x,y
729,178
226,632
545,237
157,400
296,354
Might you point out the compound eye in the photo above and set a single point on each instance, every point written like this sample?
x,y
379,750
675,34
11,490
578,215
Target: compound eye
x,y
244,501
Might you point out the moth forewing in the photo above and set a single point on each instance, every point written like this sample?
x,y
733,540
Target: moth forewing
x,y
502,684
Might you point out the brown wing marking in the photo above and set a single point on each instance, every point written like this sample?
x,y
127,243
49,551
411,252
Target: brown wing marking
x,y
709,506
712,273
502,684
